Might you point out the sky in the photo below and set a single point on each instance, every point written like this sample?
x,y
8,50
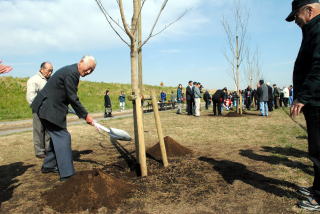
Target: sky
x,y
62,31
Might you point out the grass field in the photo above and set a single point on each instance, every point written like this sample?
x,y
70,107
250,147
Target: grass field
x,y
247,164
13,103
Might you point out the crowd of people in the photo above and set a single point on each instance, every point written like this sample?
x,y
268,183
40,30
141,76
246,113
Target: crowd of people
x,y
264,98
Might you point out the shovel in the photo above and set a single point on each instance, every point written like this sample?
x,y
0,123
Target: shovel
x,y
116,134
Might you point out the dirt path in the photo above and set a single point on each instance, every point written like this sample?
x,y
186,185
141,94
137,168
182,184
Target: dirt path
x,y
12,127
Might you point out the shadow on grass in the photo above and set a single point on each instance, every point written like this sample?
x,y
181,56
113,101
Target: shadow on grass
x,y
8,180
277,160
77,154
286,151
231,171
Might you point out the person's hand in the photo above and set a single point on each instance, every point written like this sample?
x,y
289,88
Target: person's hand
x,y
89,120
296,109
4,68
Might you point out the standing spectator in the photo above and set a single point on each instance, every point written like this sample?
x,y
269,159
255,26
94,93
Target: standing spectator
x,y
107,105
122,101
173,99
179,99
306,84
163,98
4,68
281,98
41,138
218,100
248,97
51,104
263,96
207,98
197,99
270,97
285,96
189,97
276,96
290,95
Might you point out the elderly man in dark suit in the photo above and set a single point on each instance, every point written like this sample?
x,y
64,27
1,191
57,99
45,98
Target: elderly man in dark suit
x,y
189,97
51,105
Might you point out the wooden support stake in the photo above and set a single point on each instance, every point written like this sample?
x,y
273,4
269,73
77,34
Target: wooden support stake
x,y
159,130
142,146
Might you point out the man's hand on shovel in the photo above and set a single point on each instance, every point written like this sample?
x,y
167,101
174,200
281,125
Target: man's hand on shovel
x,y
89,120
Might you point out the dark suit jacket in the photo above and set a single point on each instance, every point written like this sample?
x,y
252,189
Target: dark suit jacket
x,y
51,103
189,93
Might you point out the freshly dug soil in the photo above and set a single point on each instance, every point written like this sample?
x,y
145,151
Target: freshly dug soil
x,y
88,190
173,149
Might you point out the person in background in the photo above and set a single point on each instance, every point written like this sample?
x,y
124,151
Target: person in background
x,y
51,105
122,101
281,97
179,99
262,92
285,91
218,100
197,99
4,68
163,98
270,97
276,96
207,99
173,99
290,95
41,138
248,97
189,97
107,105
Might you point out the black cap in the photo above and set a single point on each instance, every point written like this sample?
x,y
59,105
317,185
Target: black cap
x,y
296,5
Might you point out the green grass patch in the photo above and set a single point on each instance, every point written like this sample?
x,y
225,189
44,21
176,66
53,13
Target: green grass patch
x,y
14,106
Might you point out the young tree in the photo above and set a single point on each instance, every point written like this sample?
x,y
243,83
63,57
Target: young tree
x,y
236,32
135,43
253,72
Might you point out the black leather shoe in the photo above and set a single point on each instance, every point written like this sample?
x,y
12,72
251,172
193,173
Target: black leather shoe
x,y
49,170
41,156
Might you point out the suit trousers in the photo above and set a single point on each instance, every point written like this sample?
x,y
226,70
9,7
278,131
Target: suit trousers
x,y
189,107
60,153
312,116
216,105
41,138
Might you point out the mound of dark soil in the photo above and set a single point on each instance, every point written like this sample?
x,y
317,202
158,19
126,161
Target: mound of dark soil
x,y
88,190
173,148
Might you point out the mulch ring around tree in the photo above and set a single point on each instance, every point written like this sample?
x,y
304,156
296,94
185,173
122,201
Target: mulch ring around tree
x,y
173,149
88,190
244,114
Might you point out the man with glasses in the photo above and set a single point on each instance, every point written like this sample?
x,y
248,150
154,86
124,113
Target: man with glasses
x,y
306,83
51,105
41,139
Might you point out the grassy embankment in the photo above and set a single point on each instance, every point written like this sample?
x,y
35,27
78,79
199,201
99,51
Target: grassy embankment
x,y
13,103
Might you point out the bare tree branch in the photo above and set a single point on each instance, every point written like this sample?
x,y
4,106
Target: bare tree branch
x,y
106,16
124,22
163,29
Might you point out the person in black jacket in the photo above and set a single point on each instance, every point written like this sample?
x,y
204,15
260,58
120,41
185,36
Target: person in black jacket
x,y
189,97
51,105
306,84
217,100
270,97
107,105
207,99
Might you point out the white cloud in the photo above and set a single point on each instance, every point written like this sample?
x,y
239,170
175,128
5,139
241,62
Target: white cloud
x,y
35,26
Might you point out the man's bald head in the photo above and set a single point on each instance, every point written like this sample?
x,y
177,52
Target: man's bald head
x,y
86,65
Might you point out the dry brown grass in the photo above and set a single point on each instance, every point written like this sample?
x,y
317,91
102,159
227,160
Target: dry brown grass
x,y
245,164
